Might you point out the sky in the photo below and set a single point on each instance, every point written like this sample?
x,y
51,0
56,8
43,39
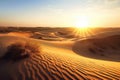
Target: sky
x,y
59,13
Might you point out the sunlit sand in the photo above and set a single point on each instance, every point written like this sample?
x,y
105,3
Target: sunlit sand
x,y
59,59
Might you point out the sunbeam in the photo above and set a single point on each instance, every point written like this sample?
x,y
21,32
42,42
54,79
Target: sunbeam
x,y
83,28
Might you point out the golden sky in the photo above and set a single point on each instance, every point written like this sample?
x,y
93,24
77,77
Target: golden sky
x,y
59,13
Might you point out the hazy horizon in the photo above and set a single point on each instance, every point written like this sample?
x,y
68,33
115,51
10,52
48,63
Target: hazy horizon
x,y
62,13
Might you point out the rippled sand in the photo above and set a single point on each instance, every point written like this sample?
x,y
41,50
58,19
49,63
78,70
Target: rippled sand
x,y
55,61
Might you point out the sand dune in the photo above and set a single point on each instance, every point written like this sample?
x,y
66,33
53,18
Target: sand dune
x,y
18,34
107,48
105,33
53,62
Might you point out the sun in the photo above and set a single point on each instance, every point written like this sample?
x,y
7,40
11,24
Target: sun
x,y
82,22
82,27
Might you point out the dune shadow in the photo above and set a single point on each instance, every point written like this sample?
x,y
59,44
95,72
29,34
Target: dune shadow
x,y
107,48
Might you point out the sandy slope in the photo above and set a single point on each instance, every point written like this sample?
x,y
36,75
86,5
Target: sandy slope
x,y
107,48
56,61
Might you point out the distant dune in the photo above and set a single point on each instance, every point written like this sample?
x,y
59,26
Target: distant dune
x,y
20,34
56,60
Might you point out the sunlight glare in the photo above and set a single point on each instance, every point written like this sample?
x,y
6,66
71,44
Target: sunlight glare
x,y
82,27
83,22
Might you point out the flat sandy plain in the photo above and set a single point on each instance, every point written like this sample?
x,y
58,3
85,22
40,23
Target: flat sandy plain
x,y
59,54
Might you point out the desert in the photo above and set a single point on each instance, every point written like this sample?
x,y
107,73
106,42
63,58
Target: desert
x,y
30,58
59,39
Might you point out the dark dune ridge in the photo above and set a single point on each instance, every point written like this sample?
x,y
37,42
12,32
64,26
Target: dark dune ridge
x,y
50,65
107,48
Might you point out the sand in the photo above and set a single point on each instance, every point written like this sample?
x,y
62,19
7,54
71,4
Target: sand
x,y
57,60
107,48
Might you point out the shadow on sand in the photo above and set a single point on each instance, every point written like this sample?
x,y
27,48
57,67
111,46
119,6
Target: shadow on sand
x,y
107,48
